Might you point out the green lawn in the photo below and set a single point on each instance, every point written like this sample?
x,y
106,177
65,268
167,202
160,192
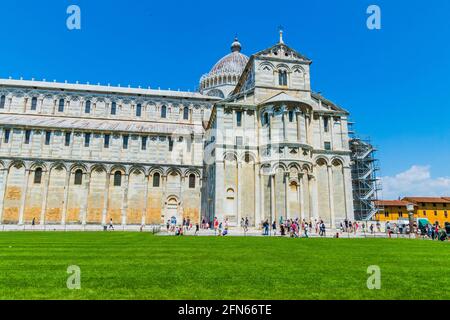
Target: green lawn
x,y
118,265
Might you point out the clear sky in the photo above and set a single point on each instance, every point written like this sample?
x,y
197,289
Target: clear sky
x,y
394,81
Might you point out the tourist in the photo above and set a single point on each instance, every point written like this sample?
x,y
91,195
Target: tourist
x,y
378,226
168,225
322,229
274,227
294,231
33,222
216,225
197,229
282,230
220,229
266,228
111,226
246,224
371,228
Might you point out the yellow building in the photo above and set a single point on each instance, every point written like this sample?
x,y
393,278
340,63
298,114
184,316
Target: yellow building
x,y
432,208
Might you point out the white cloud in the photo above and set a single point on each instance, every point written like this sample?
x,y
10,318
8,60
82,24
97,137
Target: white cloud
x,y
416,181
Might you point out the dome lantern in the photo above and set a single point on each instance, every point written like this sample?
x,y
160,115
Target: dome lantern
x,y
236,46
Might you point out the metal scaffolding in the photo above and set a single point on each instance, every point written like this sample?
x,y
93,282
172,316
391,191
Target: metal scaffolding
x,y
366,184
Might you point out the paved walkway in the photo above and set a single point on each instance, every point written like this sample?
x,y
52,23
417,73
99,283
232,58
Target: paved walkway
x,y
162,231
239,232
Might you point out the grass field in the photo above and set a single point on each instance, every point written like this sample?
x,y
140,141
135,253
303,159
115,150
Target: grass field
x,y
118,265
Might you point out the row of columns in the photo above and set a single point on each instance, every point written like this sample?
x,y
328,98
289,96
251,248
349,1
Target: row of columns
x,y
312,190
85,197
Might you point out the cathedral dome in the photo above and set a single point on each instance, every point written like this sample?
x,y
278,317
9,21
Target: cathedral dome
x,y
233,63
225,73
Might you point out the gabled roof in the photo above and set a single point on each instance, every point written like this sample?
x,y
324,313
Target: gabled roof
x,y
283,46
282,97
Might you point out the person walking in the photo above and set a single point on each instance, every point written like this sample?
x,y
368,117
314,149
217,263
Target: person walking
x,y
197,229
216,225
111,225
274,227
266,228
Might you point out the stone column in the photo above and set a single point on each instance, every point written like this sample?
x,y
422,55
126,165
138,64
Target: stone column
x,y
272,198
220,196
44,197
5,173
321,132
106,198
257,196
308,120
125,200
301,198
283,118
239,192
314,200
144,213
66,197
84,206
330,196
163,200
286,198
331,124
262,193
24,196
299,134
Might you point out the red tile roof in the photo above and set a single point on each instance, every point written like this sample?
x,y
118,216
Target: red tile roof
x,y
392,203
427,199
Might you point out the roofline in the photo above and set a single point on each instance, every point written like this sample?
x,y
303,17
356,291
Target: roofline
x,y
43,85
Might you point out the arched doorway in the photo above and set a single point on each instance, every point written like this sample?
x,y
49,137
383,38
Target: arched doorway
x,y
230,206
172,210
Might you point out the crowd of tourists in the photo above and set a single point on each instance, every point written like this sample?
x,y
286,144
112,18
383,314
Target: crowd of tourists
x,y
296,228
429,231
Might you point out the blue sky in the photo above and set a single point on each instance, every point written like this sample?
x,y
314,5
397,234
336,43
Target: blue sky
x,y
395,81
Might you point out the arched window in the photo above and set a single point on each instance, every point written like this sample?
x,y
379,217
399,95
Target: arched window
x,y
38,176
192,181
117,179
265,119
79,177
291,116
87,107
2,102
61,105
282,78
139,110
156,179
33,103
113,108
186,113
163,112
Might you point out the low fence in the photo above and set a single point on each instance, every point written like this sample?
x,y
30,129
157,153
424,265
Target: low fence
x,y
154,229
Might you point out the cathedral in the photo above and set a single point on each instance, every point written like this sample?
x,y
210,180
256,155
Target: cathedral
x,y
254,142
